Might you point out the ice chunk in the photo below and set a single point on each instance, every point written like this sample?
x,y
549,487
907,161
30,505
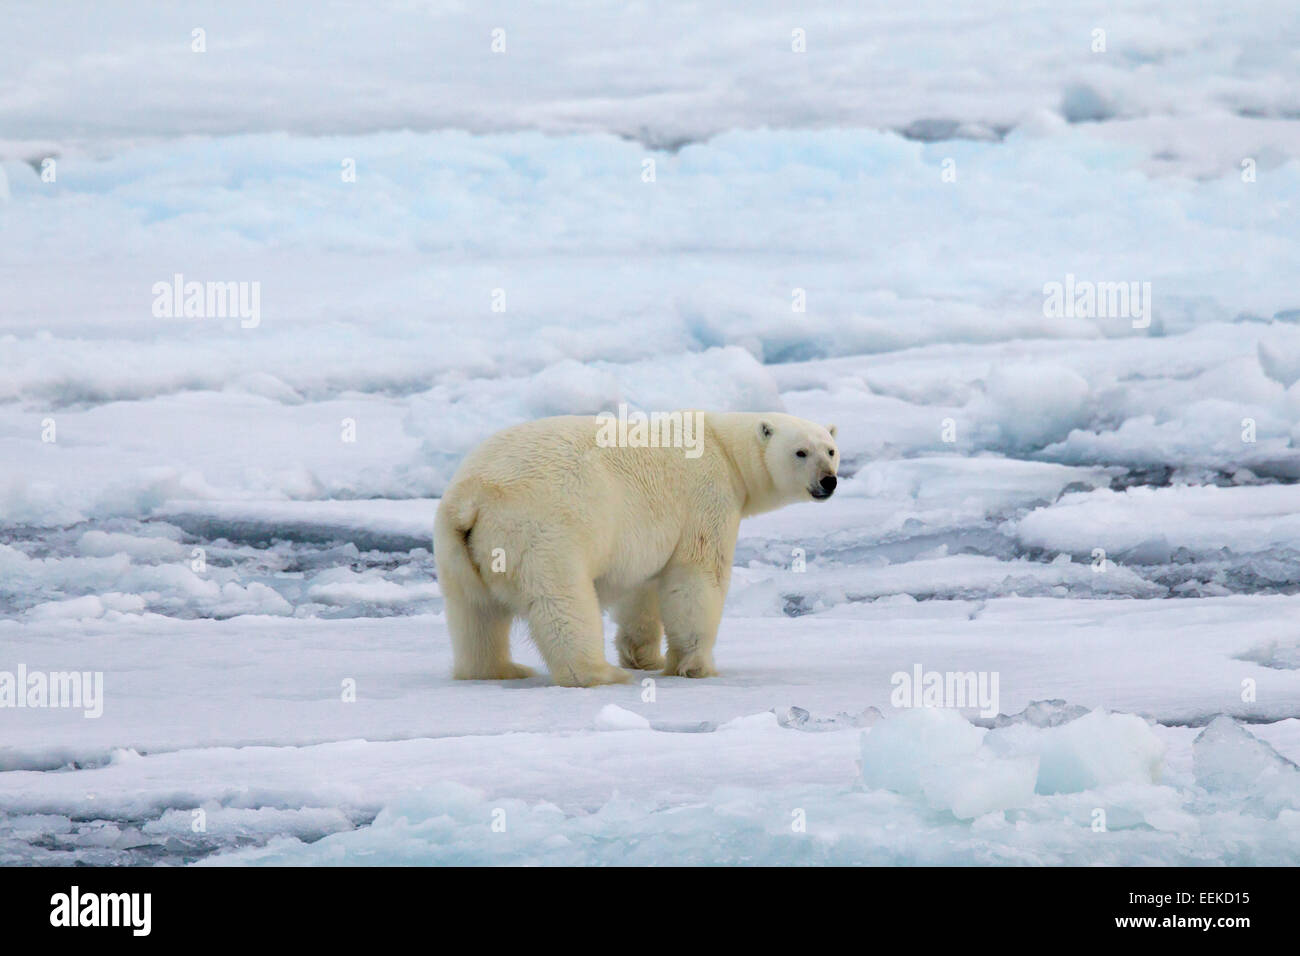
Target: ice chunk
x,y
614,717
1281,364
899,751
1034,405
981,784
752,722
1229,759
792,717
1038,713
1081,103
1285,656
1093,751
685,726
101,544
797,718
937,754
1145,525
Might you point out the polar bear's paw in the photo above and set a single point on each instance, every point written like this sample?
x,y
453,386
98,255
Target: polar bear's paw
x,y
513,671
692,665
644,658
507,671
590,677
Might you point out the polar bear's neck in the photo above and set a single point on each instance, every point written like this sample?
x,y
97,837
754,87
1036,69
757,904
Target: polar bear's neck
x,y
736,434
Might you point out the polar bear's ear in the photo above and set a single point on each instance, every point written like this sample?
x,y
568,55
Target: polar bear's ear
x,y
764,431
831,429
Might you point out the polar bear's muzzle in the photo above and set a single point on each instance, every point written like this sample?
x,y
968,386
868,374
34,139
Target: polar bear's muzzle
x,y
823,489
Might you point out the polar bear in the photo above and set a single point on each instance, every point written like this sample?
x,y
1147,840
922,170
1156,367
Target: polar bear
x,y
554,519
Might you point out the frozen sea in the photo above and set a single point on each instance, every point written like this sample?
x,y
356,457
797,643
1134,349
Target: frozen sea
x,y
666,205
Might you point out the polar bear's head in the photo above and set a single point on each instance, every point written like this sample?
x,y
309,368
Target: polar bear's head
x,y
801,457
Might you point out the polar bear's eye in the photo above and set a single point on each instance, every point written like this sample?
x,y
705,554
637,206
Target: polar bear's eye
x,y
831,453
801,454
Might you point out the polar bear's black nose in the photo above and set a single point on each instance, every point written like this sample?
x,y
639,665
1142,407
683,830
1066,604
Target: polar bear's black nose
x,y
828,484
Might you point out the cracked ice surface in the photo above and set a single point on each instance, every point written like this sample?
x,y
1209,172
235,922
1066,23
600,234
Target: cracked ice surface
x,y
1101,514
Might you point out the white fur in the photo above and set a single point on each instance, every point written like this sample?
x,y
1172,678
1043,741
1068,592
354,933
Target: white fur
x,y
540,522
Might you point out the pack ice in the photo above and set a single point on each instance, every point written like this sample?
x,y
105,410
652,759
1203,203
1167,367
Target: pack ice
x,y
230,522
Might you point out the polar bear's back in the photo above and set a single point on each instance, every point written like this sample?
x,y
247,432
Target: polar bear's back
x,y
545,447
559,463
549,481
549,449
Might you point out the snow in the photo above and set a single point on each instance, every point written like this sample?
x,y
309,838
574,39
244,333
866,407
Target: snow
x,y
613,717
232,522
256,719
1199,519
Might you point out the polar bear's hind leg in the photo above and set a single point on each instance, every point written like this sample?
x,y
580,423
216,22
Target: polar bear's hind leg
x,y
640,630
480,641
564,622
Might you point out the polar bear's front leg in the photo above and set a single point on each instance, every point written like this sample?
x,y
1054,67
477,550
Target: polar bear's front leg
x,y
640,630
690,601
